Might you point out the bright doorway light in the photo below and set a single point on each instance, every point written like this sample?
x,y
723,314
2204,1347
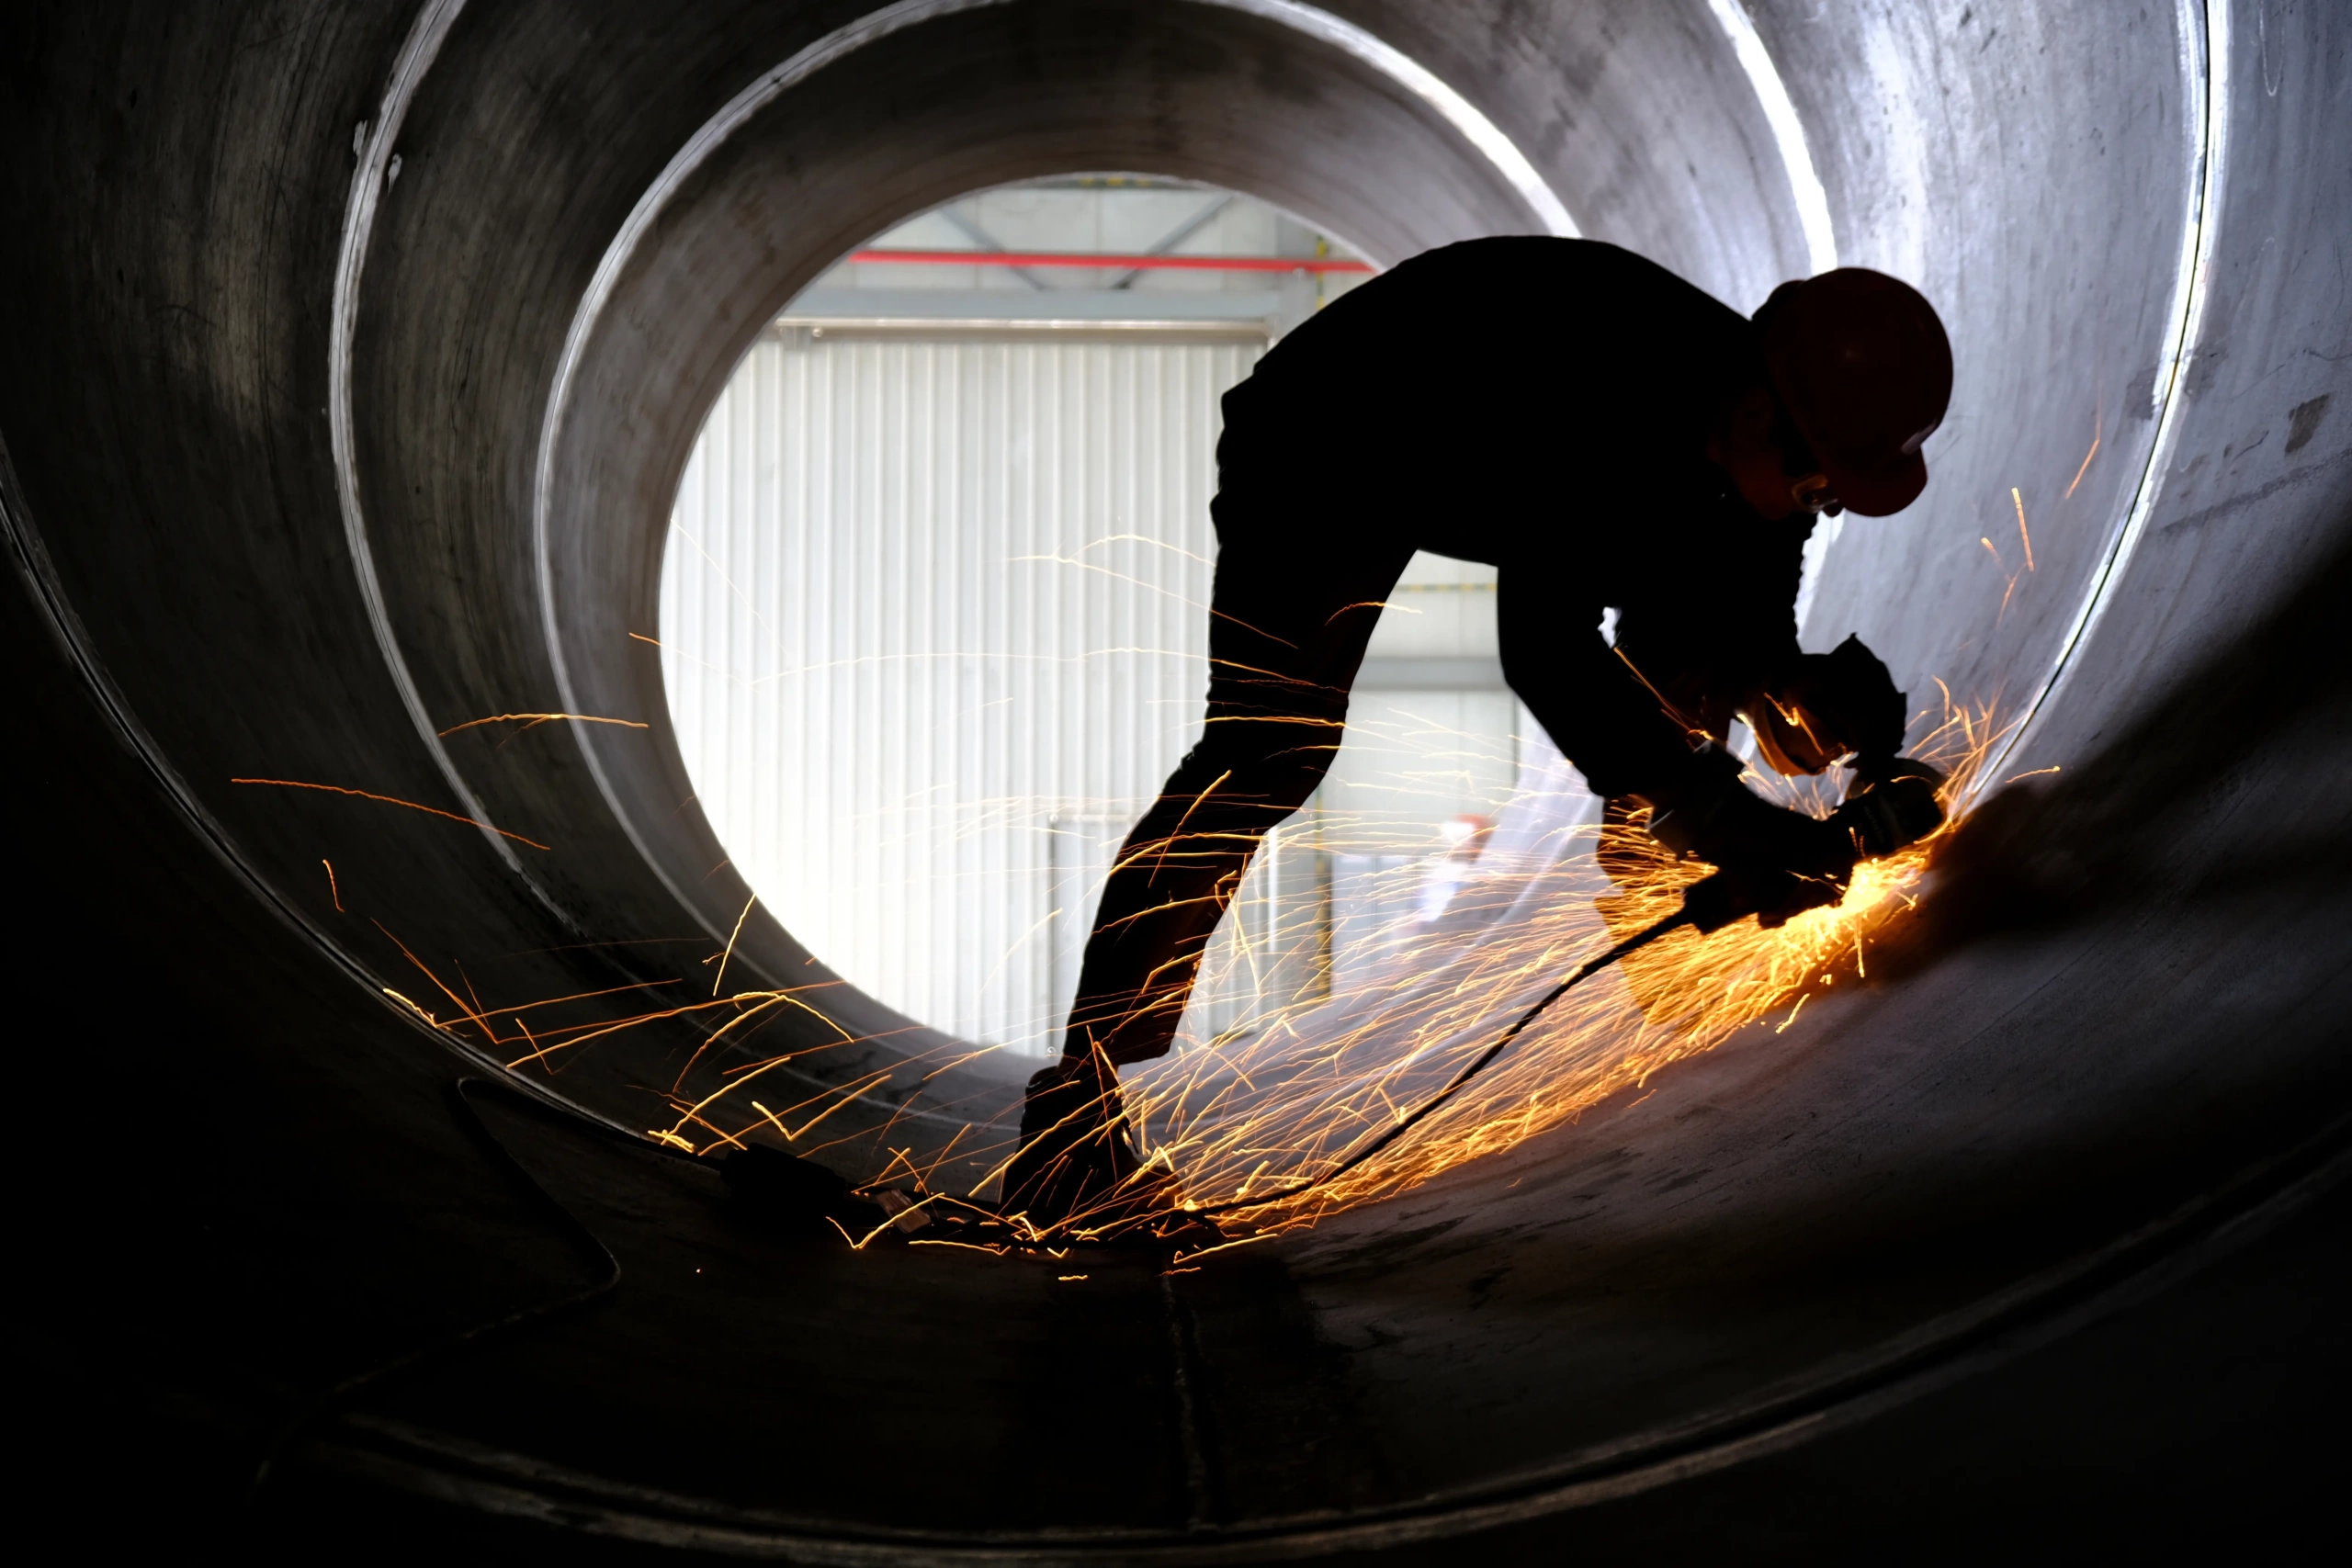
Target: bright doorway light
x,y
934,612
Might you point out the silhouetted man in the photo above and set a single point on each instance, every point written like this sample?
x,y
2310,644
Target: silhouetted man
x,y
1608,436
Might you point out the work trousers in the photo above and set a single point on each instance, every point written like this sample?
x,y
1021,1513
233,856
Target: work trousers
x,y
1297,593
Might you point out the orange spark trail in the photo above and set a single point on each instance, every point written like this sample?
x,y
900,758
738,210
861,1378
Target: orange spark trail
x,y
1400,1037
2021,532
533,720
772,1121
1672,712
395,800
598,1032
333,891
411,1007
583,996
2008,592
730,941
2098,426
1170,842
1145,539
1319,1061
472,1014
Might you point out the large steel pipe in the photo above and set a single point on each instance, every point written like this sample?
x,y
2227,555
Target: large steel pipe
x,y
352,357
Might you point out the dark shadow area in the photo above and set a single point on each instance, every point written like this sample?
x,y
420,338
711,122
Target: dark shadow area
x,y
2201,1420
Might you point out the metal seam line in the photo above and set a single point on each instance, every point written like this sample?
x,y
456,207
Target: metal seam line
x,y
1457,112
417,53
2204,67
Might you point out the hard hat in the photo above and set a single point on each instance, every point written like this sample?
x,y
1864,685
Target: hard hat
x,y
1864,367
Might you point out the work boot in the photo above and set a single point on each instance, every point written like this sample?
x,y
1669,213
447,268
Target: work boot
x,y
1077,1170
1074,1150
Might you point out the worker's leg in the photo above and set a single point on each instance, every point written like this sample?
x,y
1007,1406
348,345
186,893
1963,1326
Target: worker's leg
x,y
1289,623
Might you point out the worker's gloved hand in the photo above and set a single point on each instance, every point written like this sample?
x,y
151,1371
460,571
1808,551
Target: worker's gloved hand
x,y
1709,815
1773,864
1774,897
1893,802
1828,706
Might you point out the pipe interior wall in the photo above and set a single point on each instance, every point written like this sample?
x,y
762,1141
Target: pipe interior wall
x,y
2120,1028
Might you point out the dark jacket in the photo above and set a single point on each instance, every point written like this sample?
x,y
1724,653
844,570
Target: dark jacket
x,y
1543,405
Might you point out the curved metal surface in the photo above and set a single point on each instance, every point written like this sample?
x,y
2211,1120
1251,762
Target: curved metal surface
x,y
2116,1036
372,142
825,53
2204,72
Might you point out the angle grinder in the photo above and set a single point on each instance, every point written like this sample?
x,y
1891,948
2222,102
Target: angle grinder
x,y
1891,804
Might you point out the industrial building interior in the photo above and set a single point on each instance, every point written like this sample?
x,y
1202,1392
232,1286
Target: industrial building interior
x,y
1054,436
593,585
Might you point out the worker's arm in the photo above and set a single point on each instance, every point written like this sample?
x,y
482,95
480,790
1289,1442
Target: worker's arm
x,y
1595,707
1616,728
1828,706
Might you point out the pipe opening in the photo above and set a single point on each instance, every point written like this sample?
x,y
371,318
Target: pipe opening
x,y
313,474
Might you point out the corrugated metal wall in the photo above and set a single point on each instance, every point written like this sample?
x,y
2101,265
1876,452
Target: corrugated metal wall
x,y
926,599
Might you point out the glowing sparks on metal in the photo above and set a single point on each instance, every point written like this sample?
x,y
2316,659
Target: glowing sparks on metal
x,y
393,800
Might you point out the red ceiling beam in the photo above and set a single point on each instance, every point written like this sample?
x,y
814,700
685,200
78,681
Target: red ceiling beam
x,y
1090,259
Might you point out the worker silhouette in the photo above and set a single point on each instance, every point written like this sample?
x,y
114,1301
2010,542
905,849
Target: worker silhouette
x,y
1608,436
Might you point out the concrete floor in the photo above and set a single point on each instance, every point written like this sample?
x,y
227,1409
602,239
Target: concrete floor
x,y
307,461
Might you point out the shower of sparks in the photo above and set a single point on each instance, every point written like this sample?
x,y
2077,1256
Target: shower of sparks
x,y
1317,1070
1316,1059
395,800
1315,1081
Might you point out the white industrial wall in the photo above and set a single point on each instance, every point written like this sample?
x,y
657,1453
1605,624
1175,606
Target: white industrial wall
x,y
926,599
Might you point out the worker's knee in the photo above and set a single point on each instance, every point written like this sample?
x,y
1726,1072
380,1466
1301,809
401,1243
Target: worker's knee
x,y
1275,765
1284,783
